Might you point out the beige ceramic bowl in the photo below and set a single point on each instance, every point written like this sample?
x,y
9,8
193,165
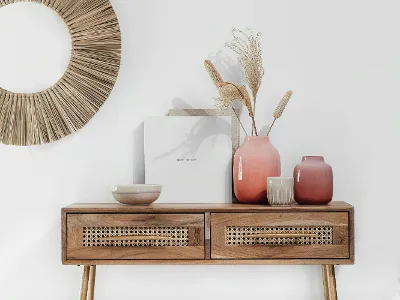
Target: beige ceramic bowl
x,y
136,194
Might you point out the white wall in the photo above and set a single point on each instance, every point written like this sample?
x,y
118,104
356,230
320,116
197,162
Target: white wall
x,y
342,60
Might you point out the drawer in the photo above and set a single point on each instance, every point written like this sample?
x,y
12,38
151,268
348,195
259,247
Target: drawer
x,y
280,235
134,236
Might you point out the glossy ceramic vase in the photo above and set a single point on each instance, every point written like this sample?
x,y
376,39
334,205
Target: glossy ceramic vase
x,y
254,161
313,181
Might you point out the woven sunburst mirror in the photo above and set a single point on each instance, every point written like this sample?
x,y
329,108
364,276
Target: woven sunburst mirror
x,y
46,116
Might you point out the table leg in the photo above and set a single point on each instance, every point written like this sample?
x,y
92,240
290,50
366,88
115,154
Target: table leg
x,y
329,280
92,281
85,282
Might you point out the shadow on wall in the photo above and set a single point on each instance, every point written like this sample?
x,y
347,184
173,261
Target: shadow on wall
x,y
179,103
200,131
264,130
229,68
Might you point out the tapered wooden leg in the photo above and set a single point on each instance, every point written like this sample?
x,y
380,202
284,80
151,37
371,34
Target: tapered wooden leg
x,y
85,282
325,282
329,280
92,281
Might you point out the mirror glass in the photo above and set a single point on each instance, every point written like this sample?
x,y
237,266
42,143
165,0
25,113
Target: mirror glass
x,y
35,47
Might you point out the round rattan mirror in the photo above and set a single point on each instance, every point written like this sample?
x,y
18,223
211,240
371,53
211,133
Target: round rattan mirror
x,y
48,115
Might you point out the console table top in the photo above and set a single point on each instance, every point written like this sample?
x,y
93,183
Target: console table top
x,y
201,207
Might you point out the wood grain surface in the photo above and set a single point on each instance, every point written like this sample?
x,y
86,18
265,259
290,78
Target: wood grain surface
x,y
329,281
85,283
220,250
77,251
217,262
207,223
202,208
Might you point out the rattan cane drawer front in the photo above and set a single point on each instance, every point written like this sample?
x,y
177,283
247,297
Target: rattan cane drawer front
x,y
135,236
280,235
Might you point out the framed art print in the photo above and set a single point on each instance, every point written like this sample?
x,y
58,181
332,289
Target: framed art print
x,y
191,157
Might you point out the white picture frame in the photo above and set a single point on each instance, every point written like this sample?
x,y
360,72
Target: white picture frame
x,y
191,157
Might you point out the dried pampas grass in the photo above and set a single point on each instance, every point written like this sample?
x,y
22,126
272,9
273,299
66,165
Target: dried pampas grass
x,y
37,118
280,108
282,105
212,71
247,46
230,92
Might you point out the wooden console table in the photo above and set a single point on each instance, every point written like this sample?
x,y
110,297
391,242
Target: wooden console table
x,y
214,234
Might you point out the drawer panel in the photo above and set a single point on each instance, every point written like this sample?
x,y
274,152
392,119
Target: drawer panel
x,y
280,235
135,236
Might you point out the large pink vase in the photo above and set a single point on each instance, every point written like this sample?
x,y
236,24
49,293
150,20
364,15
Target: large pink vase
x,y
313,181
254,161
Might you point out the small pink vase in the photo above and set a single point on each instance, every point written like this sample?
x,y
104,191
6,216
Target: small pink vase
x,y
254,161
313,181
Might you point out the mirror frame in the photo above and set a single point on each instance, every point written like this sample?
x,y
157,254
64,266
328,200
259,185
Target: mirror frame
x,y
49,115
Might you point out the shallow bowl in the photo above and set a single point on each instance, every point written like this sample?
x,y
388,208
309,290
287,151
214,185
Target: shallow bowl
x,y
136,194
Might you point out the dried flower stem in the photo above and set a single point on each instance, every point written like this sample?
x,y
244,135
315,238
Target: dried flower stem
x,y
251,114
254,114
254,125
241,124
272,125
